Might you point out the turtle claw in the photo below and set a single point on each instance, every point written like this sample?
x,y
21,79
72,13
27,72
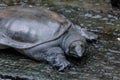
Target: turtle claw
x,y
64,66
61,64
56,57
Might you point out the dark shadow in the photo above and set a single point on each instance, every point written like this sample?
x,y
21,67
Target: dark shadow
x,y
115,4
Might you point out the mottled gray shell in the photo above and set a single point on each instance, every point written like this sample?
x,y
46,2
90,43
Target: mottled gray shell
x,y
27,27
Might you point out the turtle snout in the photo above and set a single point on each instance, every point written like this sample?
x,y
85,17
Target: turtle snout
x,y
77,49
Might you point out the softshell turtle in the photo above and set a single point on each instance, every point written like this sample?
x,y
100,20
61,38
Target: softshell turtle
x,y
42,35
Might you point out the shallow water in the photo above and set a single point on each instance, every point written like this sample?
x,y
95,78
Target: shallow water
x,y
103,56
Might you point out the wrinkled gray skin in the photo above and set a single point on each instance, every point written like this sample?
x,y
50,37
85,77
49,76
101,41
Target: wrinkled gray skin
x,y
42,35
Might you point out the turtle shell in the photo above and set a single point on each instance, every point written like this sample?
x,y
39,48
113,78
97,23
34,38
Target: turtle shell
x,y
22,27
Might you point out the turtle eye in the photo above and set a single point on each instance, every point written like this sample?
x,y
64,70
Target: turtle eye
x,y
82,45
72,47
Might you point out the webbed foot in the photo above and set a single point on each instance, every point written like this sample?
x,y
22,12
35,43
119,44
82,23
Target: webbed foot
x,y
88,35
61,63
56,57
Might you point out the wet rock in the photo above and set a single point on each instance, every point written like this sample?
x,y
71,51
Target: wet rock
x,y
97,16
3,5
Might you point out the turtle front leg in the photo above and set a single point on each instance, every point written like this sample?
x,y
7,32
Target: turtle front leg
x,y
88,35
53,55
56,57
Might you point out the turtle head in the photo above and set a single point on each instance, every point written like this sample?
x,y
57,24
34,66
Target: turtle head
x,y
77,48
